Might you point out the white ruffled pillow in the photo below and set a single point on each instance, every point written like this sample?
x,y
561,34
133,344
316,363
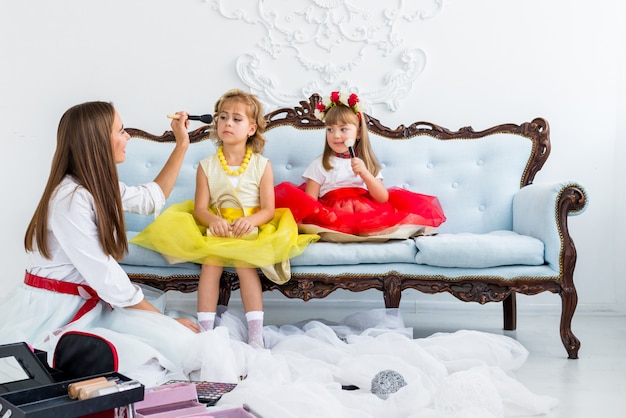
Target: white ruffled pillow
x,y
467,250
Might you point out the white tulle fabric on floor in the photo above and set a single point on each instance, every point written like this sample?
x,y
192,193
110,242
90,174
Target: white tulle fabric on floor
x,y
302,371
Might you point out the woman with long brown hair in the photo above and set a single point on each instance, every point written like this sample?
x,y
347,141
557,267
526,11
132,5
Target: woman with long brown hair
x,y
77,235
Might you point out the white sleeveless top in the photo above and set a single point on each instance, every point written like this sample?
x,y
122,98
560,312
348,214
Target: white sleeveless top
x,y
248,187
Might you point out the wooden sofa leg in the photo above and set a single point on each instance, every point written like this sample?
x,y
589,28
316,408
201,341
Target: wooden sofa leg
x,y
509,309
392,291
225,291
569,300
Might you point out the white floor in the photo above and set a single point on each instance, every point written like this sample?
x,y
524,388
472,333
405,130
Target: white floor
x,y
592,386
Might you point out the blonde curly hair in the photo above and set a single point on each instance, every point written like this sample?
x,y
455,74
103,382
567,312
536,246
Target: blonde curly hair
x,y
255,113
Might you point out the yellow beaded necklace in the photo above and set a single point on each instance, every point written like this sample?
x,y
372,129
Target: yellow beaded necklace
x,y
226,168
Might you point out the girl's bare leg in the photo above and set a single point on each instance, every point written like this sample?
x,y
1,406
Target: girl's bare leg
x,y
250,288
208,294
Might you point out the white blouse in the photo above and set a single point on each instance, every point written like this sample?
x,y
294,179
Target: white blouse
x,y
76,254
341,175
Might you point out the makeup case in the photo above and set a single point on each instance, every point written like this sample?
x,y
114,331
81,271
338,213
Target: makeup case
x,y
30,388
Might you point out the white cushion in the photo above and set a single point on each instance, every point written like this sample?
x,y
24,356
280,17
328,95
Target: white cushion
x,y
497,248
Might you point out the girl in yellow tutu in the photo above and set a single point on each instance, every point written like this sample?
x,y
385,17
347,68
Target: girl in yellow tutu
x,y
233,221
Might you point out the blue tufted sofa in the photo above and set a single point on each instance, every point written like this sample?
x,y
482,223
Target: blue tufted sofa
x,y
503,235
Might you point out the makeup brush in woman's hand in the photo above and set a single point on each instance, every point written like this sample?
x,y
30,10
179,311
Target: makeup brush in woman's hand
x,y
350,143
202,118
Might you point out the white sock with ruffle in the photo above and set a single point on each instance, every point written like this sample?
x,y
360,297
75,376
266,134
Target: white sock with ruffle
x,y
255,329
206,320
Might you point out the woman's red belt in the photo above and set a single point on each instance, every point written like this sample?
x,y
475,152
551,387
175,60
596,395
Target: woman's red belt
x,y
68,288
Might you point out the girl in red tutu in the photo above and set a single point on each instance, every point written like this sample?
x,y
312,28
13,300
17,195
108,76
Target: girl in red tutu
x,y
343,198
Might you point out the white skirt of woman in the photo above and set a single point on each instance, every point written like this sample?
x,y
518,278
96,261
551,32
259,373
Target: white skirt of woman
x,y
150,346
312,369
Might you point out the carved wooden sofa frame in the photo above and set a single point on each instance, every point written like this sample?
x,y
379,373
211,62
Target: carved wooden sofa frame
x,y
307,286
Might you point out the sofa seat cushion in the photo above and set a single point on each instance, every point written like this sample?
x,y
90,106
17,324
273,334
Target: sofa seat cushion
x,y
140,256
331,253
468,250
316,254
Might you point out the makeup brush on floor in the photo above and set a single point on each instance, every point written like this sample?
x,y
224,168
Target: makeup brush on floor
x,y
350,143
202,118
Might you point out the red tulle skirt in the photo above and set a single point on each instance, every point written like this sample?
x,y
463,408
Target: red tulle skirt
x,y
353,211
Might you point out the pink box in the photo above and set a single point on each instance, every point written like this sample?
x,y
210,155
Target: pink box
x,y
169,401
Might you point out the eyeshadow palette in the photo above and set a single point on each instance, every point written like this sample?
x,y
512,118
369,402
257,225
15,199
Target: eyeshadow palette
x,y
209,392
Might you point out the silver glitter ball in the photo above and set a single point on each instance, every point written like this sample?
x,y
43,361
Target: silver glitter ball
x,y
387,382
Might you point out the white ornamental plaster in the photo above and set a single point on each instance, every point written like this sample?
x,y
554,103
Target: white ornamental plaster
x,y
333,45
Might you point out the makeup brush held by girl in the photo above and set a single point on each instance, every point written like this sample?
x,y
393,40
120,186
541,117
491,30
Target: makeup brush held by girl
x,y
350,144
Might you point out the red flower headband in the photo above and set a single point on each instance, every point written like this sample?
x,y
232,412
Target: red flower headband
x,y
337,99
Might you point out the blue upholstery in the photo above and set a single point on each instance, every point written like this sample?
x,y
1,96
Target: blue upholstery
x,y
534,214
476,180
504,234
493,249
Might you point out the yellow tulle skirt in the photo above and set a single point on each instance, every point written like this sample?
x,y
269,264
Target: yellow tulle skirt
x,y
176,234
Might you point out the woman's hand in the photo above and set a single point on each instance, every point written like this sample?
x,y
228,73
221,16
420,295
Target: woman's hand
x,y
169,173
144,305
180,129
189,324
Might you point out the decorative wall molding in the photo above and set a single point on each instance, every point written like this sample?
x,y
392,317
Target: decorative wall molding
x,y
333,45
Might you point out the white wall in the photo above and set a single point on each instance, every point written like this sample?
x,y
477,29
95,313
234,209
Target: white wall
x,y
488,62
